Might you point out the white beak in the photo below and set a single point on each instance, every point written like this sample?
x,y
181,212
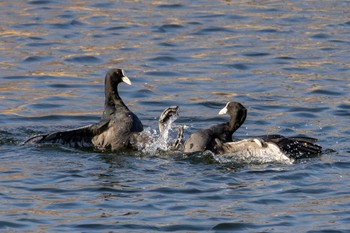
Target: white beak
x,y
223,111
126,80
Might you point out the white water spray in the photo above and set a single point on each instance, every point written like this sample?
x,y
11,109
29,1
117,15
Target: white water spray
x,y
156,141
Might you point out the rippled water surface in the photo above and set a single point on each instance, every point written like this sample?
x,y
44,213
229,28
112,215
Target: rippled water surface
x,y
287,61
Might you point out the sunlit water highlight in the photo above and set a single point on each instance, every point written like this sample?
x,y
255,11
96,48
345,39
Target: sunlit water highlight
x,y
287,62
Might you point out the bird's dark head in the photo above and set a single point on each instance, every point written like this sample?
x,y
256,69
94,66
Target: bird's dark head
x,y
112,98
233,108
237,112
116,76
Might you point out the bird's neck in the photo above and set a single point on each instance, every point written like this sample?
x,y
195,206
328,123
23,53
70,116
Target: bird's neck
x,y
234,123
113,102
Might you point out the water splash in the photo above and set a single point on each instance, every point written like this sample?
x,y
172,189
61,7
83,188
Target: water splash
x,y
168,127
156,141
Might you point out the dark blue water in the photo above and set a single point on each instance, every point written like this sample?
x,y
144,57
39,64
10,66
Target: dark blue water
x,y
287,62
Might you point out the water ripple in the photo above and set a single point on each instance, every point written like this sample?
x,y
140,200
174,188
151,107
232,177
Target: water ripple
x,y
164,59
116,28
36,58
255,54
43,44
40,2
67,25
169,28
320,36
232,226
83,59
170,6
207,30
162,73
326,92
287,63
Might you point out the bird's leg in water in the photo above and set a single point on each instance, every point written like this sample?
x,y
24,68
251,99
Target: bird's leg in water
x,y
180,134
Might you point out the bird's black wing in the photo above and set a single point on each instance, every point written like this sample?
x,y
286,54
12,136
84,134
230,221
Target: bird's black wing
x,y
79,137
295,147
136,125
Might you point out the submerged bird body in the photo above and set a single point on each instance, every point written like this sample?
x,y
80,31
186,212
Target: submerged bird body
x,y
262,151
250,151
269,147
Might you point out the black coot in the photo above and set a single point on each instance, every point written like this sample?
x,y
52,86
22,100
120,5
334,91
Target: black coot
x,y
269,146
114,130
205,139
